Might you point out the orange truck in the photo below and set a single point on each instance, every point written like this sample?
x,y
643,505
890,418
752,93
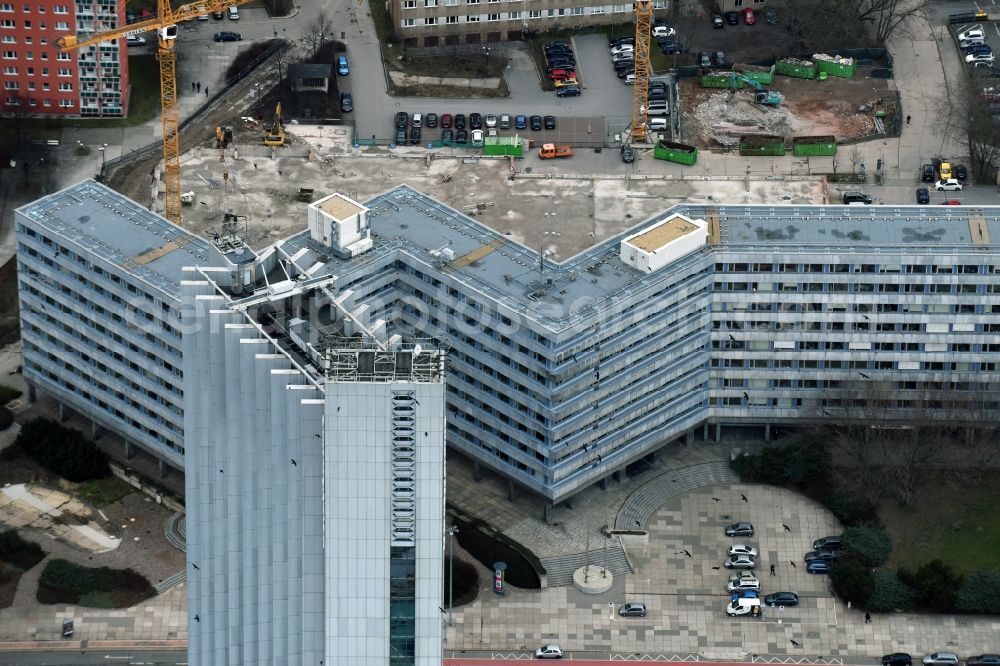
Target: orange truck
x,y
550,151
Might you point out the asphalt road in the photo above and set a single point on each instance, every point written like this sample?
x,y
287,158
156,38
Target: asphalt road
x,y
108,658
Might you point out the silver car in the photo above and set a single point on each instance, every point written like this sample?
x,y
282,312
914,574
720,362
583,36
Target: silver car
x,y
743,581
742,549
741,562
941,659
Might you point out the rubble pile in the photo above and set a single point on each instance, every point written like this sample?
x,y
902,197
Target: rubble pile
x,y
725,116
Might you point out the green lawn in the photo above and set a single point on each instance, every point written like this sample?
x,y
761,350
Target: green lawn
x,y
956,520
101,492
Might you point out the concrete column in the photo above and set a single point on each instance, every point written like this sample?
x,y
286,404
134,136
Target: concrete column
x,y
63,413
704,434
546,511
164,469
767,432
688,438
129,449
618,474
718,432
31,393
604,483
477,473
95,430
510,490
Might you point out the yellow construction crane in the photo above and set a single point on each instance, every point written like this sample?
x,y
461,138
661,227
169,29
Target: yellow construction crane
x,y
165,23
640,90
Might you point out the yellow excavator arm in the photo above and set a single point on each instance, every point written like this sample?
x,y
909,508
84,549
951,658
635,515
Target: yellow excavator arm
x,y
171,18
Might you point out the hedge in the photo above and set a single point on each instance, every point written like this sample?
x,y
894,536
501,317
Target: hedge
x,y
852,580
19,552
936,585
869,542
890,593
62,450
101,587
978,592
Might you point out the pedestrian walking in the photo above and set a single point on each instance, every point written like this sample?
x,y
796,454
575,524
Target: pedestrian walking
x,y
192,86
199,86
907,120
868,617
772,569
206,92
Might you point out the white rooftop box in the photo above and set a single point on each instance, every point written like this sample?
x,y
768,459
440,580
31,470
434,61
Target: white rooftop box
x,y
654,247
338,222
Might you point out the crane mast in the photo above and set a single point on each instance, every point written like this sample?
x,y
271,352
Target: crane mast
x,y
640,89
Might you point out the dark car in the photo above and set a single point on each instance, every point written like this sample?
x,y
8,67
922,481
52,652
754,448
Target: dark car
x,y
848,198
733,18
475,121
561,61
983,660
520,122
717,21
624,73
400,137
818,566
669,46
628,155
227,36
556,42
446,120
657,86
719,58
897,659
830,555
622,40
568,91
431,120
218,16
740,529
634,609
835,542
550,122
461,136
923,196
414,135
771,16
960,172
460,121
927,173
782,599
536,122
704,60
558,50
346,102
402,119
447,135
555,68
978,49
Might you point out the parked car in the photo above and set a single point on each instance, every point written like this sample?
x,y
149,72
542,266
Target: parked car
x,y
771,16
983,660
853,198
346,102
461,136
447,135
951,202
628,155
927,173
504,121
342,67
568,91
402,120
476,120
745,594
477,137
446,120
624,48
625,72
218,16
136,40
749,17
830,542
633,609
459,121
550,122
978,49
717,21
621,40
949,185
742,549
960,172
740,562
822,555
556,42
974,58
227,36
967,43
732,18
971,33
662,30
719,58
536,123
414,135
818,566
742,581
561,83
740,529
417,120
669,46
548,652
897,659
923,195
520,122
657,124
782,599
431,120
400,137
561,74
941,659
704,60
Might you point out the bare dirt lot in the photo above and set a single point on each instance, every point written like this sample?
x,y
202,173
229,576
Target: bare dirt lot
x,y
713,117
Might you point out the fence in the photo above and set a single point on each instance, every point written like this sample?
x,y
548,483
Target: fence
x,y
157,145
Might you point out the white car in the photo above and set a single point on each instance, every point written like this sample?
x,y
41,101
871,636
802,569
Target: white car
x,y
624,48
477,137
979,57
740,562
971,33
742,549
950,185
135,40
663,31
491,120
743,581
548,652
941,659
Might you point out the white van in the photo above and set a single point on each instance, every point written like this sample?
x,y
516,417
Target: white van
x,y
743,607
234,14
657,124
659,108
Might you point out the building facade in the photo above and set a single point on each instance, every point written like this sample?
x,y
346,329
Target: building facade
x,y
561,375
454,22
38,79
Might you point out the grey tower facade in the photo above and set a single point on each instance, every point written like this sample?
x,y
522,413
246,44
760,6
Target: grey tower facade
x,y
314,486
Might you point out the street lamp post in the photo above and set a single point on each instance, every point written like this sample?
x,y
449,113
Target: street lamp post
x,y
103,148
452,531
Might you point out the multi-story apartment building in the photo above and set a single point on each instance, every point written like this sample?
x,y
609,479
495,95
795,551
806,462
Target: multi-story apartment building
x,y
561,375
38,79
452,22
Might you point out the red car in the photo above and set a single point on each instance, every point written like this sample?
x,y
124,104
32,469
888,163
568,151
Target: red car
x,y
445,120
561,74
748,16
951,202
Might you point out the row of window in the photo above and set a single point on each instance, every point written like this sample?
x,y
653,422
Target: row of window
x,y
933,269
830,364
861,287
8,7
12,24
64,86
510,16
30,55
33,102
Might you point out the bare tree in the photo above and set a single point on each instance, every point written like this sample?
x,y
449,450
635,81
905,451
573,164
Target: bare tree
x,y
316,33
847,23
974,109
855,157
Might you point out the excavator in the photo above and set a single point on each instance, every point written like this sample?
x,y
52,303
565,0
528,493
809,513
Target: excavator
x,y
761,94
274,134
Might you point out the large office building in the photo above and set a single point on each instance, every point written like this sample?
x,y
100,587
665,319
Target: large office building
x,y
559,375
40,80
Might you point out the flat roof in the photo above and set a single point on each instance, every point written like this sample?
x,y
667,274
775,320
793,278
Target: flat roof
x,y
666,232
339,207
122,232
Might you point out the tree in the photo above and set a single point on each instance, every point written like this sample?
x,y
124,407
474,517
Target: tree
x,y
869,542
936,584
979,128
839,24
316,32
890,593
852,581
978,592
